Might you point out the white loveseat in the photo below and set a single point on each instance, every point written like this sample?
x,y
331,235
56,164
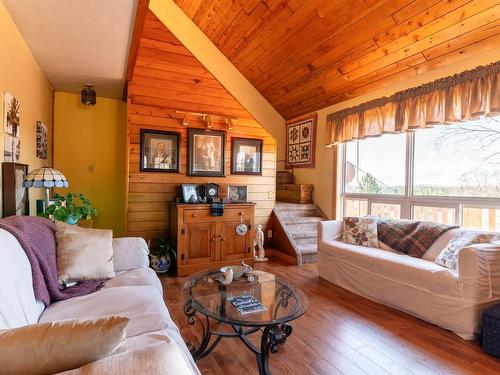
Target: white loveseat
x,y
450,299
135,293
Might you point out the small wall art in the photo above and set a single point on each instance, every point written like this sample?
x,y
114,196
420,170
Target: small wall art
x,y
41,140
12,149
11,115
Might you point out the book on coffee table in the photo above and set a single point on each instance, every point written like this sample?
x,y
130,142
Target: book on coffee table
x,y
246,304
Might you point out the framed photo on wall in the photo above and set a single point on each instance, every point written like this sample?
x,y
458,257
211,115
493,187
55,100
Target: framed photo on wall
x,y
246,156
301,142
41,140
160,151
206,153
15,197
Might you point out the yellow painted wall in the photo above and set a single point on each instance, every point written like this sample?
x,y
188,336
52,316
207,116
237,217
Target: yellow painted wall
x,y
322,175
21,76
89,148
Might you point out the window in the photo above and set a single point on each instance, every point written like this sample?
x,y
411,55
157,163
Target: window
x,y
447,174
362,168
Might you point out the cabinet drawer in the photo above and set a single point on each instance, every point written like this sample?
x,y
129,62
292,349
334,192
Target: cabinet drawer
x,y
197,216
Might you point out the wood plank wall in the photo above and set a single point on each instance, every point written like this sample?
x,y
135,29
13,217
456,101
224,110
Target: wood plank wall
x,y
166,77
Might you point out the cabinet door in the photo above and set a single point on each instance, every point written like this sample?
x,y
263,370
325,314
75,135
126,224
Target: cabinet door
x,y
199,240
232,245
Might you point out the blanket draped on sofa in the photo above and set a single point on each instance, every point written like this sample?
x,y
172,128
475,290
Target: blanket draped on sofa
x,y
37,238
410,237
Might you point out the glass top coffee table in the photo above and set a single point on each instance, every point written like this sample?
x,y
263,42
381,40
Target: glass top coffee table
x,y
207,299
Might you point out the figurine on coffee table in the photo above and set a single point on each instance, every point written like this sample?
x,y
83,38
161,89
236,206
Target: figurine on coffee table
x,y
259,244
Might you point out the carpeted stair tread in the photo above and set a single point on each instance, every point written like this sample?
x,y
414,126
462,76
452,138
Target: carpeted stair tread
x,y
308,249
304,234
303,219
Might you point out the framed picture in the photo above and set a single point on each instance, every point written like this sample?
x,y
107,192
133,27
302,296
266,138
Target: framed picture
x,y
11,149
301,142
189,193
11,115
246,156
41,140
206,153
160,151
15,196
237,193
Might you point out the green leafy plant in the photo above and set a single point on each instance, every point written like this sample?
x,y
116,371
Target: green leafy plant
x,y
165,249
64,208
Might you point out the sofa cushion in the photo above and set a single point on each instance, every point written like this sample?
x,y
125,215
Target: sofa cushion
x,y
440,243
448,257
360,231
161,358
130,253
83,253
143,305
18,306
135,277
52,347
396,266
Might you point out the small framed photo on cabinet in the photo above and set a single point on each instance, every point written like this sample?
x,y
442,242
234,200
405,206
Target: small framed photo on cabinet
x,y
237,193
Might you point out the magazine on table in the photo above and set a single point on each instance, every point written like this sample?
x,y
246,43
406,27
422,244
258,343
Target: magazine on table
x,y
246,304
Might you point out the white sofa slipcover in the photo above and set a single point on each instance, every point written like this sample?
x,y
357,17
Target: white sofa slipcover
x,y
136,293
453,300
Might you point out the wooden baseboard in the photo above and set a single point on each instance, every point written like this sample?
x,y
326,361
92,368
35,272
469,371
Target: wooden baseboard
x,y
279,255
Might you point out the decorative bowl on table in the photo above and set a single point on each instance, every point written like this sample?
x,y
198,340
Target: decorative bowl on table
x,y
238,271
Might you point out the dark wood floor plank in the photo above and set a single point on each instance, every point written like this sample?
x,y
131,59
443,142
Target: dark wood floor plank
x,y
341,333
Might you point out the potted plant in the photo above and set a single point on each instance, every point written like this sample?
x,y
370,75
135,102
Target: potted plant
x,y
162,256
64,209
88,212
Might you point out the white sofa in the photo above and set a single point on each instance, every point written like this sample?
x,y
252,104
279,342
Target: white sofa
x,y
135,293
450,299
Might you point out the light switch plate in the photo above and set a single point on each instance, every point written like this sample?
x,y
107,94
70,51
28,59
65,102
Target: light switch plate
x,y
269,233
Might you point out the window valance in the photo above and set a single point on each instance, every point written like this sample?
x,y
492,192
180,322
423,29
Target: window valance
x,y
448,100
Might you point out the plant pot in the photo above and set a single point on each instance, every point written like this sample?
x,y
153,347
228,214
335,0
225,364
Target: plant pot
x,y
86,223
160,264
72,220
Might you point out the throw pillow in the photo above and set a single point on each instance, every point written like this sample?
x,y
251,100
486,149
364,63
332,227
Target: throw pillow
x,y
360,231
448,257
83,254
49,348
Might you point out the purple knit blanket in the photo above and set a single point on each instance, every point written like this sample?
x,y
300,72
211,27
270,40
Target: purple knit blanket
x,y
36,236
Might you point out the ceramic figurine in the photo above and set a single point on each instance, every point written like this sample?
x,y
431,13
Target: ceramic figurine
x,y
226,276
259,243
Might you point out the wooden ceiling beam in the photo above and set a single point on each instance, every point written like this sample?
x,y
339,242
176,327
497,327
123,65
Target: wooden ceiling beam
x,y
140,18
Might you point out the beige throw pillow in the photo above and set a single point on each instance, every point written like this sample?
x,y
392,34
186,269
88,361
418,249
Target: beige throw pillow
x,y
449,255
83,254
48,348
360,231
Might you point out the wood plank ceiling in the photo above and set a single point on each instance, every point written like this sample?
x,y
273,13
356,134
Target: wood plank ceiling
x,y
306,55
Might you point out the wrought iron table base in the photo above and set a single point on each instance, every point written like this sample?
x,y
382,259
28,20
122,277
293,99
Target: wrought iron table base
x,y
272,336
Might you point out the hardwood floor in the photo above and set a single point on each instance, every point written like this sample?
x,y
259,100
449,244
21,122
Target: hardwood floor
x,y
342,333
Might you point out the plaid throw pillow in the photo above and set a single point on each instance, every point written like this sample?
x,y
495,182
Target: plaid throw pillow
x,y
360,231
448,257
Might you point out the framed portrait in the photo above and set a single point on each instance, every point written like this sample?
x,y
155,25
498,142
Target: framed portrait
x,y
246,156
41,140
301,142
189,193
206,153
11,115
160,151
11,149
15,196
237,193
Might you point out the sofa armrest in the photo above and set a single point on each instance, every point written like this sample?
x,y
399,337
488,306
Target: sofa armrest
x,y
329,230
479,271
130,253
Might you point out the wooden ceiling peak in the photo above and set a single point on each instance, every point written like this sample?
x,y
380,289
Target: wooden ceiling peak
x,y
305,55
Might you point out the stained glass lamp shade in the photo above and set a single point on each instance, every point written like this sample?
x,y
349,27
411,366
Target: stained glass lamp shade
x,y
46,178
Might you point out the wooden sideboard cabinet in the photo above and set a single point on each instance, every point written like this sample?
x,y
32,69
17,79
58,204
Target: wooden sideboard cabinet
x,y
204,241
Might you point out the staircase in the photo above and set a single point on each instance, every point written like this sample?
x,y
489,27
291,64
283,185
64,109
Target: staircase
x,y
299,222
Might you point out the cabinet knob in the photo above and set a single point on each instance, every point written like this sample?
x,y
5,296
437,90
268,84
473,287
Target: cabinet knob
x,y
241,213
193,215
222,239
